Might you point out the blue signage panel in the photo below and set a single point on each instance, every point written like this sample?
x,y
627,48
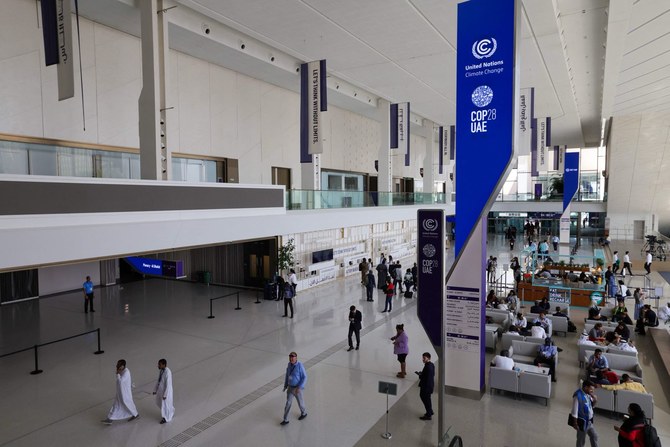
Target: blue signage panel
x,y
430,260
570,177
485,106
157,267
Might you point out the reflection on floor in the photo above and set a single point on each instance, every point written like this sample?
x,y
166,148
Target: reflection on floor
x,y
228,373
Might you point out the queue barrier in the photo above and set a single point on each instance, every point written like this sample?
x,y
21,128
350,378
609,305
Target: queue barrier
x,y
211,315
35,348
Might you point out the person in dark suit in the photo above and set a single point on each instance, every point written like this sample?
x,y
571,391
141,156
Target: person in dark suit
x,y
426,385
355,318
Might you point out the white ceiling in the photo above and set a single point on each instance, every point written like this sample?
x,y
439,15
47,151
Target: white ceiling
x,y
588,60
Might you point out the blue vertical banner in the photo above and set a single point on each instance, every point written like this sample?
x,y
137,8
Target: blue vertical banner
x,y
487,125
431,267
570,177
313,101
487,94
442,148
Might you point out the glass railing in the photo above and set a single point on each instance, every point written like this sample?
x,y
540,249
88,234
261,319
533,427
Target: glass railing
x,y
300,199
529,197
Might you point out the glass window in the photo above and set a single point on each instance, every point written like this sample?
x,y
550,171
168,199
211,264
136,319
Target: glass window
x,y
43,162
13,160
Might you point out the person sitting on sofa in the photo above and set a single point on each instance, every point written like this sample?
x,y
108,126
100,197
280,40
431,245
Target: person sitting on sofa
x,y
546,354
605,378
597,333
503,360
622,330
624,345
560,313
537,331
543,320
594,311
627,383
584,340
597,362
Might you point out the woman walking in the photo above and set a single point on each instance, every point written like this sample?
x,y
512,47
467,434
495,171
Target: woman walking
x,y
401,348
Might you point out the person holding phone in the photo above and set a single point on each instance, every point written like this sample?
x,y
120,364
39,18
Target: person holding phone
x,y
124,406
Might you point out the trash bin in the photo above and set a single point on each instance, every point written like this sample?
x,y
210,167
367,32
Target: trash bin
x,y
207,277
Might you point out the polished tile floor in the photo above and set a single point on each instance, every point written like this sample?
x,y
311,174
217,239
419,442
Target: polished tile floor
x,y
228,373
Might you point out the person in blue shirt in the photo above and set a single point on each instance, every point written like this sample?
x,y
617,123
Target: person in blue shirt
x,y
88,295
582,414
597,362
546,354
294,384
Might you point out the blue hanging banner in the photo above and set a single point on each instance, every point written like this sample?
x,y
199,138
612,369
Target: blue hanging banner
x,y
441,148
487,95
430,262
570,177
313,101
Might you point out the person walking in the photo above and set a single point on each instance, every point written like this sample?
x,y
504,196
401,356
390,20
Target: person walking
x,y
582,414
631,432
388,291
397,277
163,392
363,268
355,319
401,348
615,262
647,263
370,285
555,240
123,406
293,282
426,385
88,295
289,293
626,265
294,385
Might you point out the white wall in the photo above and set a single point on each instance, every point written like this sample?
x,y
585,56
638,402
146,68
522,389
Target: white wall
x,y
67,277
638,184
217,112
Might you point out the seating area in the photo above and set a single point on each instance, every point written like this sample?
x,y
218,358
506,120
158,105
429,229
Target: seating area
x,y
526,378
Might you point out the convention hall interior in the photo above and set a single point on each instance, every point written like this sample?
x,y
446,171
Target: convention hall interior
x,y
162,148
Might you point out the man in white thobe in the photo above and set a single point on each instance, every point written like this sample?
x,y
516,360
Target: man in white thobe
x,y
123,406
163,391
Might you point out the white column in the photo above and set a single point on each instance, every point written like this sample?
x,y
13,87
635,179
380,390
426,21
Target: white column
x,y
429,164
154,153
385,174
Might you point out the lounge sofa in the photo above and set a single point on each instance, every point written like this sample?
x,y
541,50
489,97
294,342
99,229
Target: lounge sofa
x,y
620,364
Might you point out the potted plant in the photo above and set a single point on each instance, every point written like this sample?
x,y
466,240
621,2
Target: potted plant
x,y
285,256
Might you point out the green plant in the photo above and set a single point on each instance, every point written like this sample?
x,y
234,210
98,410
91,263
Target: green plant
x,y
600,262
285,259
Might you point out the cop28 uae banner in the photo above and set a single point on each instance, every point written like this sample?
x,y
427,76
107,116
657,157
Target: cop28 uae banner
x,y
487,125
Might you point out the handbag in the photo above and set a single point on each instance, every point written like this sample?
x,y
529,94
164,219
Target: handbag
x,y
571,422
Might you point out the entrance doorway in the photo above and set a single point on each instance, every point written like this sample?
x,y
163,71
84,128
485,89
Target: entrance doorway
x,y
260,262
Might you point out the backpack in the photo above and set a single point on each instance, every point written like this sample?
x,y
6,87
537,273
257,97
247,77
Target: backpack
x,y
288,291
651,437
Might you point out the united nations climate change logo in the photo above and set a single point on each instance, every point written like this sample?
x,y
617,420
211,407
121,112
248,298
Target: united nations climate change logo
x,y
429,250
429,224
484,48
482,96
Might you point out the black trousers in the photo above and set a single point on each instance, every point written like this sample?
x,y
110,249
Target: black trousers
x,y
626,265
368,292
354,331
288,302
547,361
427,402
88,301
647,267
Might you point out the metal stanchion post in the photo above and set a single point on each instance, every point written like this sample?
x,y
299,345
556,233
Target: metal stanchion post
x,y
37,368
99,351
258,301
238,301
210,309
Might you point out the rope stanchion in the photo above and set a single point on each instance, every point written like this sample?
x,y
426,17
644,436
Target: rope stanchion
x,y
211,313
99,351
35,349
37,369
238,301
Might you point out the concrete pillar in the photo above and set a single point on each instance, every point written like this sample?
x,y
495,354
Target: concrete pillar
x,y
385,174
154,153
